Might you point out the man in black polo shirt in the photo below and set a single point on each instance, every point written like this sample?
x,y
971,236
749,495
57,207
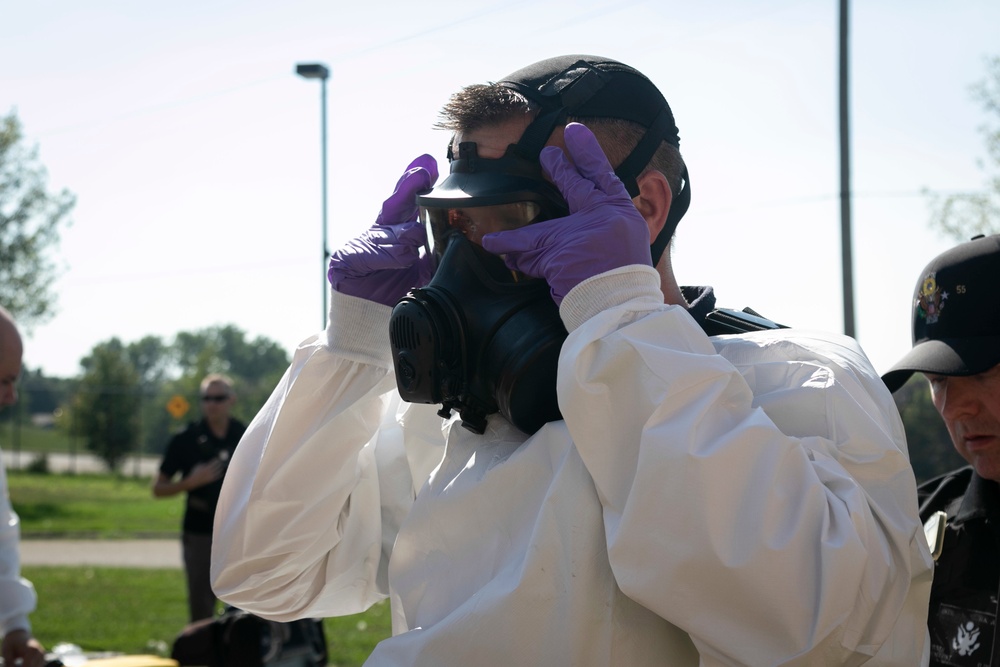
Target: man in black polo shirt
x,y
956,345
195,462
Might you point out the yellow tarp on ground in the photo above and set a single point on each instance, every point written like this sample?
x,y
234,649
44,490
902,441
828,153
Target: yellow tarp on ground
x,y
132,661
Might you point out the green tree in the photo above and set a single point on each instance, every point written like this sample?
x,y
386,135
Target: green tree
x,y
41,393
966,214
153,361
120,405
254,365
177,368
107,403
30,217
930,447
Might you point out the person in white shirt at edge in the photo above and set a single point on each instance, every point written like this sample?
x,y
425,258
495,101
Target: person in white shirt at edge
x,y
17,595
632,489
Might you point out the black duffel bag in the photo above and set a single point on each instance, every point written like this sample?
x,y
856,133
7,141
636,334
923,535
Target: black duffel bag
x,y
239,639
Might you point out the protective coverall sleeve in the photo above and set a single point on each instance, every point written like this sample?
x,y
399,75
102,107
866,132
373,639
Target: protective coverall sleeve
x,y
17,595
323,477
756,489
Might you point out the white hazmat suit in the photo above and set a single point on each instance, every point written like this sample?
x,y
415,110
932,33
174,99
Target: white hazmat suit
x,y
735,500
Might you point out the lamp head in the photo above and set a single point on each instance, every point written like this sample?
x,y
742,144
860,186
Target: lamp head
x,y
312,70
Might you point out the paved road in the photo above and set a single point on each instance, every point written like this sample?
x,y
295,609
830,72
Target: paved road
x,y
81,462
108,553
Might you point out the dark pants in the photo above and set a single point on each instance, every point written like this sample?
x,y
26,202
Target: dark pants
x,y
197,565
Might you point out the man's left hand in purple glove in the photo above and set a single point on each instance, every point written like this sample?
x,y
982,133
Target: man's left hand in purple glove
x,y
603,231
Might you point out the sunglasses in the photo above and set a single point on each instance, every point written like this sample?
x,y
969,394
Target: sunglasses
x,y
215,399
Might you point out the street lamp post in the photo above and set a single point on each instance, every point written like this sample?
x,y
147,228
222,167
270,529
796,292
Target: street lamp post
x,y
321,72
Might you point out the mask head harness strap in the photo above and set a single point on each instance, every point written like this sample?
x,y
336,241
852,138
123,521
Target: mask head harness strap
x,y
583,87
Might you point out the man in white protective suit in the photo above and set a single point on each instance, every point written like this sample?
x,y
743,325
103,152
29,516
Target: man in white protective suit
x,y
520,429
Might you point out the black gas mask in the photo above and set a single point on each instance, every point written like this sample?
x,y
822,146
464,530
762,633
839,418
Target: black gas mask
x,y
479,341
480,338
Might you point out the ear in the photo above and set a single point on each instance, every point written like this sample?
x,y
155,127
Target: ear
x,y
653,200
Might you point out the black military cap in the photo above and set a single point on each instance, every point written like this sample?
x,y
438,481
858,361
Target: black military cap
x,y
956,314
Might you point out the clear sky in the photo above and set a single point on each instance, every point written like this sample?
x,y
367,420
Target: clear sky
x,y
194,149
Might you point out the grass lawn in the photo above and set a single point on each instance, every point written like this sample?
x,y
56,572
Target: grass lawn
x,y
99,506
142,611
130,610
29,438
109,609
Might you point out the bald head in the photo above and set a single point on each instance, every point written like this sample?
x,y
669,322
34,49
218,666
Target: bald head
x,y
10,358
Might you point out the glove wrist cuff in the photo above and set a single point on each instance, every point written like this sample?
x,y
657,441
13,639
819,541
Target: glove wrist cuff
x,y
634,283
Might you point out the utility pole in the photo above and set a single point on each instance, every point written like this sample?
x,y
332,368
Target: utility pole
x,y
845,177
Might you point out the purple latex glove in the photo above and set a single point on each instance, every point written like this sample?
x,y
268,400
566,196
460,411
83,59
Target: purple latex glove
x,y
382,264
603,231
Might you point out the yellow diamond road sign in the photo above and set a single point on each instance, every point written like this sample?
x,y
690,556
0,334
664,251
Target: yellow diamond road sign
x,y
178,406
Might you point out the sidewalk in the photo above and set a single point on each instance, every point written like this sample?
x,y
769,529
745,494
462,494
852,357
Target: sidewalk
x,y
103,553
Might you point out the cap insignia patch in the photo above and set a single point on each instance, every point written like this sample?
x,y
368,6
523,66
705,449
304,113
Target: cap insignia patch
x,y
930,299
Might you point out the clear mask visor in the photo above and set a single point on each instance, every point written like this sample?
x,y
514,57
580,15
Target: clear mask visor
x,y
474,222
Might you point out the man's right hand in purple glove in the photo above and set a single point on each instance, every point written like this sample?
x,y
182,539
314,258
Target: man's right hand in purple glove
x,y
382,264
